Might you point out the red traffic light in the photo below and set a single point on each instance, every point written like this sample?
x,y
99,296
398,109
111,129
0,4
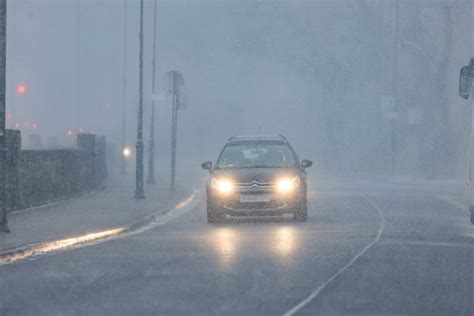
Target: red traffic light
x,y
21,89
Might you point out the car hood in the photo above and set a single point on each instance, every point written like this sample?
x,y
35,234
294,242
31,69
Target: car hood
x,y
248,175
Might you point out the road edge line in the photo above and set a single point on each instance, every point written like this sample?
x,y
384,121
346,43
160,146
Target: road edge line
x,y
319,289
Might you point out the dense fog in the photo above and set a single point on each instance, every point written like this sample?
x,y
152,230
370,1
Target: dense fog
x,y
323,73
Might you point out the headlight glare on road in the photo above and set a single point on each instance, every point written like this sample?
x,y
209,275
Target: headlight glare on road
x,y
223,186
287,185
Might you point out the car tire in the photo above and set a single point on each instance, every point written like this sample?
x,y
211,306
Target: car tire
x,y
301,215
214,215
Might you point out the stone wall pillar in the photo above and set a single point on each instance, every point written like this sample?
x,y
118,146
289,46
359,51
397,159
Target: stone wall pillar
x,y
86,142
13,141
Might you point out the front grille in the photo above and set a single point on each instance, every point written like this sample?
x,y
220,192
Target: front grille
x,y
255,187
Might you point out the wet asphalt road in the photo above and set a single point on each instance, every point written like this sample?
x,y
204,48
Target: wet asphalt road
x,y
377,253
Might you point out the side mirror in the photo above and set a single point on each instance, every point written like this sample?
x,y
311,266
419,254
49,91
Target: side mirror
x,y
207,165
306,163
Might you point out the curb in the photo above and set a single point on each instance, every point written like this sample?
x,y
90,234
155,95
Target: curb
x,y
135,227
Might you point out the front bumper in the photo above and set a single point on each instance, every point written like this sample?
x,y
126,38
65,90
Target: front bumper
x,y
258,210
278,204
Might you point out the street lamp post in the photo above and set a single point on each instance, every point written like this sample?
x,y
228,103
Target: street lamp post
x,y
139,193
12,105
151,150
77,67
394,88
466,79
3,147
123,169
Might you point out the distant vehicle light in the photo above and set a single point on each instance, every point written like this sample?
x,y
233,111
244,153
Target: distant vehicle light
x,y
127,152
70,133
17,125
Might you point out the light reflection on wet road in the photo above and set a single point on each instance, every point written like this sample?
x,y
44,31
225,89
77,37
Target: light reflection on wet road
x,y
253,267
228,241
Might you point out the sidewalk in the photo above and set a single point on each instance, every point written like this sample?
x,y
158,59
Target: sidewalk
x,y
92,212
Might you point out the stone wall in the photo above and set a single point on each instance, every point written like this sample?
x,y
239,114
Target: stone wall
x,y
36,177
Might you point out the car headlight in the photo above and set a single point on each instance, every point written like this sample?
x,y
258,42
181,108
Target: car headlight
x,y
287,185
223,186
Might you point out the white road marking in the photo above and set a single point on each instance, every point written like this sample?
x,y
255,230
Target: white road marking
x,y
318,290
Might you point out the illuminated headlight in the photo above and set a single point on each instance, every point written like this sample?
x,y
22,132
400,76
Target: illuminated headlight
x,y
222,186
287,185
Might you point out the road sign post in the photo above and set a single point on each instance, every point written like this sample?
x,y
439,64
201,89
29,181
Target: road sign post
x,y
176,82
151,149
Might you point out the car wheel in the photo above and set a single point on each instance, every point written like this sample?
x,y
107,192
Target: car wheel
x,y
215,217
301,215
213,214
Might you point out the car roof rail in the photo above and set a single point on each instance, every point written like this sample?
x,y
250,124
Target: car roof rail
x,y
257,137
286,140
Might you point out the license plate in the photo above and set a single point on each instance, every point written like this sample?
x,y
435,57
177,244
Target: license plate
x,y
255,198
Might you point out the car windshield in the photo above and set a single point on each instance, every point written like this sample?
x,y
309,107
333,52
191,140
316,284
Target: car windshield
x,y
256,155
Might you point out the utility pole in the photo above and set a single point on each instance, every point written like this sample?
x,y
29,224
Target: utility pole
x,y
139,193
123,169
77,67
151,151
3,147
176,82
13,70
174,129
394,86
